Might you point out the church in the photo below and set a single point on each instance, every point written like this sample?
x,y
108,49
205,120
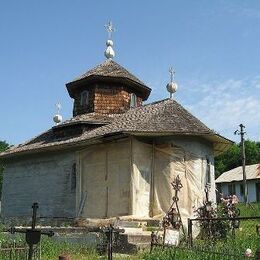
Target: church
x,y
116,156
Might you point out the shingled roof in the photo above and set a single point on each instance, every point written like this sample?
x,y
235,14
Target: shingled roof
x,y
166,117
111,71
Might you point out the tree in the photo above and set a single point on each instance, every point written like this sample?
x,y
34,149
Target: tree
x,y
3,146
232,157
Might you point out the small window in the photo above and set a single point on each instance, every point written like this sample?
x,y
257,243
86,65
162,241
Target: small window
x,y
241,189
133,100
231,189
73,178
84,98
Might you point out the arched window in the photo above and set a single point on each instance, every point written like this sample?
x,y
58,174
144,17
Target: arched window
x,y
133,100
84,98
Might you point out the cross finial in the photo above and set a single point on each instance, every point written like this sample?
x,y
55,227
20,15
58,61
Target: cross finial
x,y
110,29
58,106
172,73
172,86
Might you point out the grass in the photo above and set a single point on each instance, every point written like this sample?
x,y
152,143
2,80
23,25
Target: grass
x,y
245,238
251,210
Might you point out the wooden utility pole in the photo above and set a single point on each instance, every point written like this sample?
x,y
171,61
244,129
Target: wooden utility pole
x,y
243,157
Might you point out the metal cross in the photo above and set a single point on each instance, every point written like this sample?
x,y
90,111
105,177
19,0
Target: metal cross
x,y
58,106
32,235
172,73
110,29
177,185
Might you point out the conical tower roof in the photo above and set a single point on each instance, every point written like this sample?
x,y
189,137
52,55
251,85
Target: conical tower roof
x,y
112,72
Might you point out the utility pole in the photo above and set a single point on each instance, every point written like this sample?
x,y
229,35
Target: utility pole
x,y
243,157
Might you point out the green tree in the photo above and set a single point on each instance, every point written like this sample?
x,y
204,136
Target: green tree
x,y
3,146
232,157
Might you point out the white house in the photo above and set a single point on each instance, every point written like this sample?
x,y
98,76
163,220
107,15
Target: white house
x,y
231,182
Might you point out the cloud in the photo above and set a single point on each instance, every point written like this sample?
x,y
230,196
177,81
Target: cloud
x,y
224,105
242,9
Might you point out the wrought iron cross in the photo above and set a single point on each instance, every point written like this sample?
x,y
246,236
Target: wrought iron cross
x,y
172,73
58,106
177,185
32,235
110,29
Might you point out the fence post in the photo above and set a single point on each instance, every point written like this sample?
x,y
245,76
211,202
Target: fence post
x,y
190,242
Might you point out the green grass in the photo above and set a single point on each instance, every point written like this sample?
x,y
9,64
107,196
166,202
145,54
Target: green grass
x,y
251,210
245,237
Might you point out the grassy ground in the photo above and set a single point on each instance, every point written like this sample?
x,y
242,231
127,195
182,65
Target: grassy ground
x,y
245,238
251,210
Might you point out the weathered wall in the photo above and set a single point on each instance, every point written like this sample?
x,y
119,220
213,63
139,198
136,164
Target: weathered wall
x,y
113,100
158,164
46,180
104,180
200,148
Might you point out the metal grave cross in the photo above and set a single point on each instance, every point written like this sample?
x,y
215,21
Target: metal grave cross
x,y
32,235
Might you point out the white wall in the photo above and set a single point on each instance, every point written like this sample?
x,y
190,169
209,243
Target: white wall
x,y
46,180
198,147
250,186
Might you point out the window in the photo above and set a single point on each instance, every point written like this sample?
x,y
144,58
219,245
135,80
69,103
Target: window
x,y
84,98
133,100
257,189
241,189
73,178
231,189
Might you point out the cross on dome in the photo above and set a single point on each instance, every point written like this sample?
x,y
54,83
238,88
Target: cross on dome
x,y
110,29
172,86
109,52
172,73
58,106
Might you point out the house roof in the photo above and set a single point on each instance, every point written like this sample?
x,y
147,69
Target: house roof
x,y
109,71
165,117
236,174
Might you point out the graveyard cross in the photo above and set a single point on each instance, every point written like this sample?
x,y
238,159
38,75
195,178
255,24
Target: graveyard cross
x,y
110,231
173,216
33,235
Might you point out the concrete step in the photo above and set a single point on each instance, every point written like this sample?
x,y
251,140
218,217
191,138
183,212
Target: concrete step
x,y
130,224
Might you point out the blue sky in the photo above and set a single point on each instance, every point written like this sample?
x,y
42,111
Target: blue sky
x,y
214,47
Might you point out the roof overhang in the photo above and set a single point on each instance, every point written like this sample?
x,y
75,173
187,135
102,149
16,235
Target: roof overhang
x,y
140,88
220,143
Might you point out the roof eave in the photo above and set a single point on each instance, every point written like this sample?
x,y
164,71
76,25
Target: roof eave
x,y
143,89
65,146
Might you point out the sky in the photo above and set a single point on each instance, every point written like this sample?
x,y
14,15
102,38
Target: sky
x,y
214,47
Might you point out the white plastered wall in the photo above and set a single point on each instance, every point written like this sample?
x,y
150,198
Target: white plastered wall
x,y
104,186
141,178
157,165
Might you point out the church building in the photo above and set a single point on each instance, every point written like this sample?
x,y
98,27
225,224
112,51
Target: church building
x,y
116,157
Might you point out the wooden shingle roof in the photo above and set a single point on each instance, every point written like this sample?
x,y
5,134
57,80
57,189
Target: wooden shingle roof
x,y
166,117
110,71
